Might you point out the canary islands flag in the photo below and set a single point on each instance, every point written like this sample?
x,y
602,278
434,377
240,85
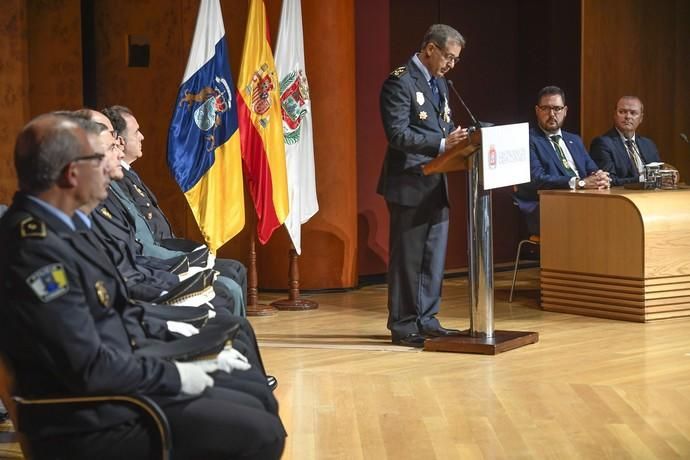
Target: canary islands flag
x,y
258,105
203,141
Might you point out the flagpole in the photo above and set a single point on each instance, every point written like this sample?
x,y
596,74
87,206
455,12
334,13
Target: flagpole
x,y
254,308
294,302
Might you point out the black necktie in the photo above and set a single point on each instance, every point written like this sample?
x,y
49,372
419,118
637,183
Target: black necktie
x,y
434,90
566,164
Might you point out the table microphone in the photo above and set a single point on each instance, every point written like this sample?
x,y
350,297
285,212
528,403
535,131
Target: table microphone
x,y
684,137
475,124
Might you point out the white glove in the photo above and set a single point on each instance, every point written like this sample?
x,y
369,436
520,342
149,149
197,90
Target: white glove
x,y
231,359
193,378
182,328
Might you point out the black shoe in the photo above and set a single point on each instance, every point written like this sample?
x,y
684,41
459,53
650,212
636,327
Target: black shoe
x,y
410,340
272,382
441,331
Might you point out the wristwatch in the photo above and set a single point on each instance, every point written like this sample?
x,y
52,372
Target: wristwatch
x,y
581,183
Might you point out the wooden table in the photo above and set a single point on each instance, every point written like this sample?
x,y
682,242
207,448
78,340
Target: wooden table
x,y
619,254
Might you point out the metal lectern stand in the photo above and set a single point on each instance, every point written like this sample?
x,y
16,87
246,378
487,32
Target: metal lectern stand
x,y
481,336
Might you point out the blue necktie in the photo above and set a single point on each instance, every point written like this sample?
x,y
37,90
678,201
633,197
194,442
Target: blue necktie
x,y
434,90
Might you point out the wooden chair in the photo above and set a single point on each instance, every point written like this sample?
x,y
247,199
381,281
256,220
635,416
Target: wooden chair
x,y
142,403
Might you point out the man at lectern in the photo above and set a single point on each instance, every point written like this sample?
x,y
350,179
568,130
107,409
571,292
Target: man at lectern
x,y
416,117
619,151
558,159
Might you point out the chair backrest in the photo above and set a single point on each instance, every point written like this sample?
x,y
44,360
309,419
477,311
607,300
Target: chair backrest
x,y
146,406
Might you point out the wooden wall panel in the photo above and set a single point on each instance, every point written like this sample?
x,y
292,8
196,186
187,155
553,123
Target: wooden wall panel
x,y
329,239
13,90
55,56
639,47
373,66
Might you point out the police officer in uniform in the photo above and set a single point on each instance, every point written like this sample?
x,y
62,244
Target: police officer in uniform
x,y
61,330
416,117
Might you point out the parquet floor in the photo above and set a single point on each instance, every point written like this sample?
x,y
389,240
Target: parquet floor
x,y
589,389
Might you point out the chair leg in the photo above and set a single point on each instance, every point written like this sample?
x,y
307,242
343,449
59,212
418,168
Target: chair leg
x,y
515,269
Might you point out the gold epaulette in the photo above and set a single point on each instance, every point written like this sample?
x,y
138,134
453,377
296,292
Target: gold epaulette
x,y
400,71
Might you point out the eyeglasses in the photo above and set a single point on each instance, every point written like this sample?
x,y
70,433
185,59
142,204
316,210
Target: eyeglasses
x,y
450,57
548,108
96,156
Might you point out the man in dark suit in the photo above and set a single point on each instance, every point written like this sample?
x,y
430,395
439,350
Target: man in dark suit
x,y
416,117
62,330
558,159
620,151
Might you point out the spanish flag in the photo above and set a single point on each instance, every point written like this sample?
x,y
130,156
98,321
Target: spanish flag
x,y
203,140
261,129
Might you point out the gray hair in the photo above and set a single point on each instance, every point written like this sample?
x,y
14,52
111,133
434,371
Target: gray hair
x,y
43,148
441,34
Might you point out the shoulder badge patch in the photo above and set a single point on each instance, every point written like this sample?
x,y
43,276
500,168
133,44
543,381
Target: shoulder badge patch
x,y
49,282
32,228
400,71
106,213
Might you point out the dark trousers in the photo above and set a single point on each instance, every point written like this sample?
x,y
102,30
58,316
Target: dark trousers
x,y
417,256
221,424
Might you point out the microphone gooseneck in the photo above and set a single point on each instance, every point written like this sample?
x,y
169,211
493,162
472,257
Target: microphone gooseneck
x,y
475,123
685,138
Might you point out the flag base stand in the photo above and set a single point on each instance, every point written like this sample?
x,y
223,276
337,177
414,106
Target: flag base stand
x,y
465,343
293,302
254,308
261,310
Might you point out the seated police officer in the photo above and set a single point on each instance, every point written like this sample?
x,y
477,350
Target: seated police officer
x,y
61,329
148,331
153,226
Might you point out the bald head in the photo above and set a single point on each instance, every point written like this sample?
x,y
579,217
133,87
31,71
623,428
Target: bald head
x,y
43,148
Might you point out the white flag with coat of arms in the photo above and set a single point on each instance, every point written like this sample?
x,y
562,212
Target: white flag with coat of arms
x,y
297,121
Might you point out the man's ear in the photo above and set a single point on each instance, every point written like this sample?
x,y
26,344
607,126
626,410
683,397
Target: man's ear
x,y
69,176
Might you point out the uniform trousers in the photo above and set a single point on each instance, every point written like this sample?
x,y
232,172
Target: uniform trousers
x,y
220,424
418,241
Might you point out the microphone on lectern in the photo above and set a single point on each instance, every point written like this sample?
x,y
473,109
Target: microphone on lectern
x,y
475,124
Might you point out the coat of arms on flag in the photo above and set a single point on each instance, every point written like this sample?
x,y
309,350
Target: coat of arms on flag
x,y
214,101
294,98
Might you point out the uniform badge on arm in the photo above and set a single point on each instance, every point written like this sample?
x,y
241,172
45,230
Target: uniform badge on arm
x,y
49,282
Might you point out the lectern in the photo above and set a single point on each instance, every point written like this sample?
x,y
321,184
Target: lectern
x,y
481,336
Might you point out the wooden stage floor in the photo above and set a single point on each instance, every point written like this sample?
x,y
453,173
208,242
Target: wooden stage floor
x,y
589,389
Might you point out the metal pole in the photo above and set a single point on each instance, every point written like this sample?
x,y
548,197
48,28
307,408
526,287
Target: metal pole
x,y
480,247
